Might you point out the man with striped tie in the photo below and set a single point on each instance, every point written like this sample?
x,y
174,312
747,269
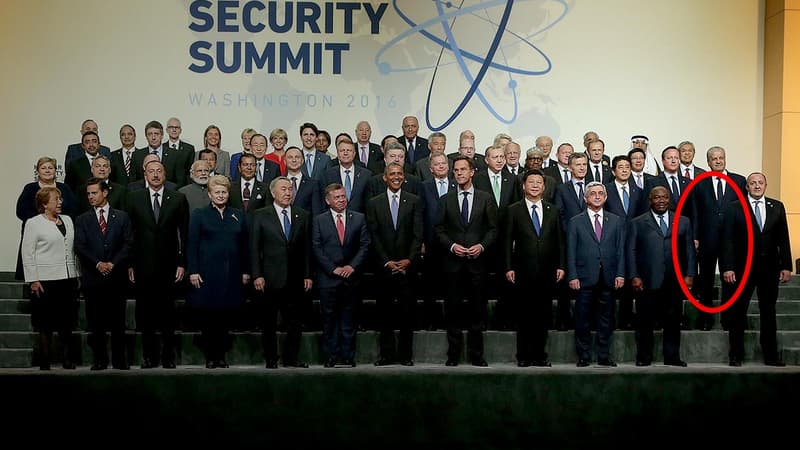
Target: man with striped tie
x,y
122,171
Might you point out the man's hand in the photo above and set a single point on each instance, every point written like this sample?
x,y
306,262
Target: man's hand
x,y
510,276
460,250
575,284
619,282
179,273
786,275
729,276
37,289
560,275
637,284
475,251
196,280
307,284
131,275
689,281
259,284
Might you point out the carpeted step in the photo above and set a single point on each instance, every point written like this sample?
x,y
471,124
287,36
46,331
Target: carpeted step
x,y
784,322
15,322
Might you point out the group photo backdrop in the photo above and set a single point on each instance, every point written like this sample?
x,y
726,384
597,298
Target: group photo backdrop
x,y
674,71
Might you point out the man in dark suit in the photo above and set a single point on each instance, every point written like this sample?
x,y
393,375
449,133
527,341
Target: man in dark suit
x,y
307,191
652,275
771,265
265,170
280,239
103,241
355,179
181,150
369,154
534,257
340,243
416,147
172,160
75,151
561,170
545,145
466,147
394,153
588,138
138,185
641,178
627,201
122,158
512,153
248,194
711,197
595,268
117,194
395,224
598,169
160,220
437,142
687,168
672,180
315,163
466,228
80,169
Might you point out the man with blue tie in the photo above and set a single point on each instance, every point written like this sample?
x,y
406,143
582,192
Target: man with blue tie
x,y
534,259
355,178
652,275
103,241
314,163
671,179
395,224
340,243
466,228
595,269
416,146
771,265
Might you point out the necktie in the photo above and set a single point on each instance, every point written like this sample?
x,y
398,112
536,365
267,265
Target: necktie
x,y
465,208
598,230
566,175
686,174
156,206
259,172
663,225
720,193
514,171
348,184
597,174
91,161
287,226
395,209
246,195
675,192
758,216
309,164
102,221
535,218
580,193
154,152
639,181
174,146
364,154
442,188
496,188
340,228
127,162
294,185
411,152
626,199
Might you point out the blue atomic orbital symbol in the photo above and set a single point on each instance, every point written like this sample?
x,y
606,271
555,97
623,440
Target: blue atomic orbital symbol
x,y
448,12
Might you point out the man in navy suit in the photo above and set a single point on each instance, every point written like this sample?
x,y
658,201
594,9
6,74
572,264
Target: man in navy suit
x,y
711,197
340,243
314,163
266,170
437,142
534,258
117,194
672,180
416,147
80,169
307,191
395,224
652,275
173,160
368,154
598,165
103,241
122,170
466,228
595,268
355,179
75,151
771,265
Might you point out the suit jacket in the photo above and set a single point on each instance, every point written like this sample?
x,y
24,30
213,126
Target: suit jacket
x,y
160,246
172,159
649,253
568,203
481,229
585,255
390,243
480,160
556,172
422,169
92,247
509,187
309,196
75,151
412,185
605,173
46,253
271,170
375,163
360,185
118,174
695,171
117,196
259,197
421,150
771,249
709,213
329,253
321,164
429,192
638,203
534,258
284,263
550,185
78,171
185,156
645,182
661,180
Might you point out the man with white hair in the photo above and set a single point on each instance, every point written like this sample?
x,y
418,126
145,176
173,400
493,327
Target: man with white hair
x,y
197,191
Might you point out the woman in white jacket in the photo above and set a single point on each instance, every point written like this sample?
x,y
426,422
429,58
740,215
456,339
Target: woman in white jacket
x,y
48,261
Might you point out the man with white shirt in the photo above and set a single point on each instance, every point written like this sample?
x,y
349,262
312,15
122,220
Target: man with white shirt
x,y
265,170
711,198
307,192
638,175
116,195
369,154
688,169
122,170
545,144
561,170
416,147
175,167
248,194
671,179
355,179
80,169
466,147
74,151
598,167
184,152
512,152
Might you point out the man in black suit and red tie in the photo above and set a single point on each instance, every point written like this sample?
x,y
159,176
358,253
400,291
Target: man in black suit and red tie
x,y
103,241
771,265
340,243
395,224
416,146
467,228
534,255
160,220
280,239
248,194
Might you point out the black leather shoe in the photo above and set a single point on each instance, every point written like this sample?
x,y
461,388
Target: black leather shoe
x,y
480,362
582,363
168,364
735,363
69,365
523,363
675,362
211,364
148,364
640,363
541,363
45,366
222,364
384,362
296,364
606,363
407,362
331,362
349,362
121,366
271,364
774,363
451,362
99,366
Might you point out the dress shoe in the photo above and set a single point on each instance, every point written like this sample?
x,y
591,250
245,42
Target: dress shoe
x,y
271,364
99,366
451,362
675,362
774,363
222,364
523,363
331,362
148,364
407,362
384,362
122,366
480,362
296,364
69,365
349,362
168,364
582,363
735,362
45,366
541,363
211,364
640,363
606,363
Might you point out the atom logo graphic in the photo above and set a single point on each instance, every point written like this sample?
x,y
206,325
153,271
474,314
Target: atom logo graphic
x,y
457,23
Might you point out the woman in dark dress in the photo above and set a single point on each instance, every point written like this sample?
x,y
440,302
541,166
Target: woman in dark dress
x,y
26,203
217,265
